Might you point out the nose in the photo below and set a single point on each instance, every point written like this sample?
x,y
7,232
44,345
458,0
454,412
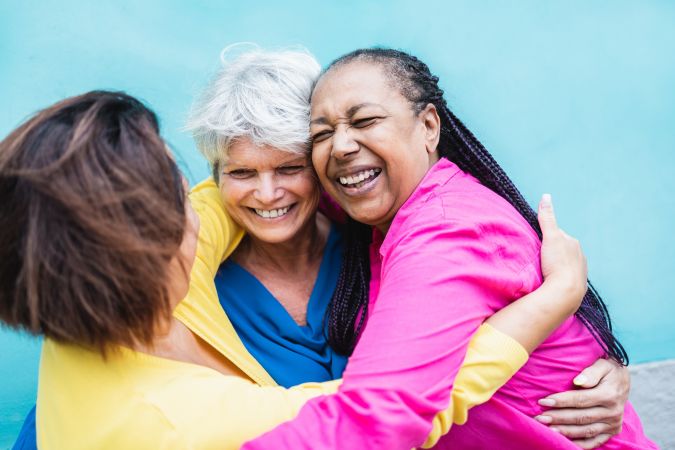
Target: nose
x,y
268,190
344,144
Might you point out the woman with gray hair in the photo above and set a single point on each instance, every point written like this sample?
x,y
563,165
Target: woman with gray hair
x,y
252,126
264,315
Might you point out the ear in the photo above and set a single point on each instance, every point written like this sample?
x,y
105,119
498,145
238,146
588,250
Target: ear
x,y
432,127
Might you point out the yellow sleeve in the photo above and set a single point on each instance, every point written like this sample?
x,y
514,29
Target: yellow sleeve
x,y
200,310
219,235
224,414
492,358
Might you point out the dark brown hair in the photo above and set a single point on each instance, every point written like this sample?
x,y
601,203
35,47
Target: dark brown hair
x,y
91,214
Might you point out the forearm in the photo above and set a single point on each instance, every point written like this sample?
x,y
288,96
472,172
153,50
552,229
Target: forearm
x,y
399,378
491,360
419,327
532,318
225,412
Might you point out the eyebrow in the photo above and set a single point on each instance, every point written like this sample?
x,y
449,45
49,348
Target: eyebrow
x,y
294,160
299,158
350,113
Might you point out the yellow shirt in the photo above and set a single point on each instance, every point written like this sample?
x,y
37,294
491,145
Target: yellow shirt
x,y
133,400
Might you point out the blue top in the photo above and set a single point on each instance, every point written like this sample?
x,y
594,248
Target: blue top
x,y
27,439
291,354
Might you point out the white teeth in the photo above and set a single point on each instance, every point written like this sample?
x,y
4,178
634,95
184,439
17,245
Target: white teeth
x,y
272,213
359,177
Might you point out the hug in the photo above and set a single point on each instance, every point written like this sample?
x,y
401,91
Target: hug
x,y
358,272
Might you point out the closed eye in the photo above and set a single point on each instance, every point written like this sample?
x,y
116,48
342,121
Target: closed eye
x,y
365,122
240,174
290,170
321,136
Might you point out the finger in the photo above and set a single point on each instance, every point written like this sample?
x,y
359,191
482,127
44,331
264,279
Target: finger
x,y
573,399
585,416
591,376
593,442
582,431
546,216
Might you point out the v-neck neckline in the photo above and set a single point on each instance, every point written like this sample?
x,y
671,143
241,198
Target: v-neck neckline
x,y
312,296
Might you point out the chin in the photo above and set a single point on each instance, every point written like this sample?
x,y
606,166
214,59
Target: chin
x,y
369,215
275,237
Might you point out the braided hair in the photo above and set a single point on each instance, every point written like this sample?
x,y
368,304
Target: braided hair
x,y
458,144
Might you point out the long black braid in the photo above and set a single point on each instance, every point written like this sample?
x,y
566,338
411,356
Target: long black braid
x,y
460,146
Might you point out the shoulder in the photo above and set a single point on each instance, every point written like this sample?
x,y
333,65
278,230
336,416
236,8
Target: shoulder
x,y
206,194
206,187
458,217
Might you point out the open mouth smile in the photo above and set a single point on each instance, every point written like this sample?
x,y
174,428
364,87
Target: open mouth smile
x,y
272,213
359,179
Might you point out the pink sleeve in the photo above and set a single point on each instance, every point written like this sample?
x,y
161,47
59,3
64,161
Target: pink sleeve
x,y
438,284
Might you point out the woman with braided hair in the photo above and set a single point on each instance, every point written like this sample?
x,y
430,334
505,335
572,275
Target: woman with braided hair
x,y
252,127
453,241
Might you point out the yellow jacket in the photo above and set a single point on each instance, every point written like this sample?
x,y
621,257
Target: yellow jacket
x,y
134,400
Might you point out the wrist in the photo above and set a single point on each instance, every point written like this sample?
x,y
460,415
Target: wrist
x,y
566,294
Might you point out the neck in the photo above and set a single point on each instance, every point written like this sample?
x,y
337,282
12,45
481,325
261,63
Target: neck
x,y
167,340
433,159
303,248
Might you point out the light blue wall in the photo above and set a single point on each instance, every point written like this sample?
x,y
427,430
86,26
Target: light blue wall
x,y
575,98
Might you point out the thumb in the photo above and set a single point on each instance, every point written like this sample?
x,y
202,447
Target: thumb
x,y
546,215
591,376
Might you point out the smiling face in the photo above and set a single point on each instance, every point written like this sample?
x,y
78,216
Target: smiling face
x,y
273,194
370,149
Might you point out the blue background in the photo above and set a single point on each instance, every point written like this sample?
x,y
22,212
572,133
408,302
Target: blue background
x,y
574,98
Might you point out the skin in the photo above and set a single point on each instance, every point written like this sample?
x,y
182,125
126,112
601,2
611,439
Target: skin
x,y
173,340
360,121
370,126
264,186
266,178
284,253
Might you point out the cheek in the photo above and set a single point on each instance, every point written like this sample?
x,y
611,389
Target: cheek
x,y
232,192
308,188
320,154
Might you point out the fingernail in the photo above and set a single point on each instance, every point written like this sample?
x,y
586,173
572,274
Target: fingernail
x,y
547,402
580,380
554,429
543,419
546,198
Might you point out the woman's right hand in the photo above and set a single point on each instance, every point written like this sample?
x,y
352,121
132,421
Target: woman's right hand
x,y
563,263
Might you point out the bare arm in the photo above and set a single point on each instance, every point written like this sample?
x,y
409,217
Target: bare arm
x,y
592,414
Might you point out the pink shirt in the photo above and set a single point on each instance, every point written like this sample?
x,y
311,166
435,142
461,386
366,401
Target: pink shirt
x,y
455,253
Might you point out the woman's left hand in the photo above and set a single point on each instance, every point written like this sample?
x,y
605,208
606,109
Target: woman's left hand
x,y
591,415
563,263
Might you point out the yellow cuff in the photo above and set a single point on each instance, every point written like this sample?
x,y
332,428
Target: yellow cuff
x,y
492,358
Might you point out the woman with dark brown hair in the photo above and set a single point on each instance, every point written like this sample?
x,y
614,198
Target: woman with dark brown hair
x,y
96,248
87,235
97,241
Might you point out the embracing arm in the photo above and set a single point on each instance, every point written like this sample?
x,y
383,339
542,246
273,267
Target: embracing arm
x,y
492,357
531,319
592,414
438,283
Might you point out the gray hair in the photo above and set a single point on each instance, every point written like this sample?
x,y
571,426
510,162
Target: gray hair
x,y
262,95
